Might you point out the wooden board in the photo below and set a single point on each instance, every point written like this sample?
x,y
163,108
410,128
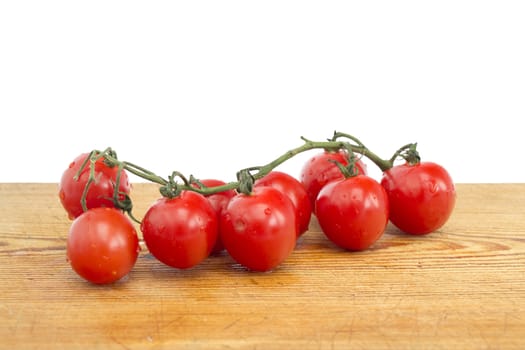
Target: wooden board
x,y
460,288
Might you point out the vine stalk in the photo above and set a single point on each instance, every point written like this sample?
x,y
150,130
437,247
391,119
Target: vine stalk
x,y
171,187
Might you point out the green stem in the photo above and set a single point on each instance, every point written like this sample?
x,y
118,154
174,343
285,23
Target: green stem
x,y
381,163
137,170
261,171
308,145
246,177
408,152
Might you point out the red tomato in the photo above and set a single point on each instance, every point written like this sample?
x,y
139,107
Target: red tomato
x,y
100,192
319,170
218,201
353,213
259,229
180,231
421,196
102,245
292,188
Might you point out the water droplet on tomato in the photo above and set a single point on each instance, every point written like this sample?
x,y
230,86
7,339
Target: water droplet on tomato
x,y
267,211
161,229
240,225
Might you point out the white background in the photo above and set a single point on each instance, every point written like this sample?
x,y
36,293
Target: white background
x,y
209,87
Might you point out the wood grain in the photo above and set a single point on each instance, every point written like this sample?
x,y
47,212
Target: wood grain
x,y
462,287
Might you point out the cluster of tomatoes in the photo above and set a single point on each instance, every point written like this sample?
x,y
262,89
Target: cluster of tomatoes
x,y
259,226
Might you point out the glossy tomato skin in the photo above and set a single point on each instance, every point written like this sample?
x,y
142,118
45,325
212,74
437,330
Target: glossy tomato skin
x,y
102,245
218,201
100,192
259,229
422,196
320,170
353,212
292,188
181,231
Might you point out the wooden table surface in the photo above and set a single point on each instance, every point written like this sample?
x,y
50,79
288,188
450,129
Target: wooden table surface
x,y
460,288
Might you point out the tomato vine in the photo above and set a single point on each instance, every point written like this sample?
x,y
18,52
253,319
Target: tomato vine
x,y
257,218
175,183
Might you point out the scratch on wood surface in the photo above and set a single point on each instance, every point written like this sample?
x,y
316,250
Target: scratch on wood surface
x,y
231,324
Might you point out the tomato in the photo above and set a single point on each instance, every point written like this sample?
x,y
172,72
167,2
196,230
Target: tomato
x,y
320,169
292,188
100,192
218,201
102,245
422,196
353,212
259,229
180,231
